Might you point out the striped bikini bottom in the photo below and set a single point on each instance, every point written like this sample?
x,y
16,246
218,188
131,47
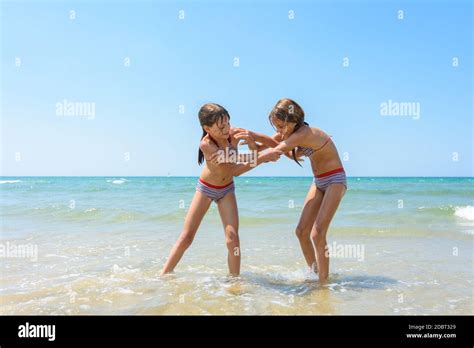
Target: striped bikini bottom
x,y
336,176
214,192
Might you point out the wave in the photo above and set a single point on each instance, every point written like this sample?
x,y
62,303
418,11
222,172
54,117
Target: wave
x,y
466,213
463,212
386,191
118,181
62,212
9,181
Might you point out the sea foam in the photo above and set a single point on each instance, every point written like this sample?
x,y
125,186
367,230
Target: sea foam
x,y
118,181
466,212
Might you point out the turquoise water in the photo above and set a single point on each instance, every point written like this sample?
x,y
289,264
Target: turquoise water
x,y
101,242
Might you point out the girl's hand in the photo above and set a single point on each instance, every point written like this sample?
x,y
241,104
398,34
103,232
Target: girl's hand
x,y
271,156
248,138
234,130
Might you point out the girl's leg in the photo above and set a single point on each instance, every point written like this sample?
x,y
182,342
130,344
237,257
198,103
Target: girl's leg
x,y
230,220
197,210
308,216
331,200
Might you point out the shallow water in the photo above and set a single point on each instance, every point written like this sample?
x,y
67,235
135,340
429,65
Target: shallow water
x,y
96,246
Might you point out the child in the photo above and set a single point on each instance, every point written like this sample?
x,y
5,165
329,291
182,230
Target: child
x,y
216,184
330,184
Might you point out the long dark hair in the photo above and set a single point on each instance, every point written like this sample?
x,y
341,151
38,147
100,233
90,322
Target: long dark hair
x,y
287,110
209,114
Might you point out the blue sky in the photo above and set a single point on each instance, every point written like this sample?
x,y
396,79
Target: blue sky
x,y
189,62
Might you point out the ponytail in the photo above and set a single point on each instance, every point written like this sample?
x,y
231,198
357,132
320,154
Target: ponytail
x,y
200,154
293,152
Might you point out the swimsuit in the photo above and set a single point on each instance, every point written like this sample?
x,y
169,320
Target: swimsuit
x,y
212,191
231,147
336,176
322,181
308,151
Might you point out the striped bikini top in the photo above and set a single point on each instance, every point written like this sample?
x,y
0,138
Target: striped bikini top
x,y
308,151
228,139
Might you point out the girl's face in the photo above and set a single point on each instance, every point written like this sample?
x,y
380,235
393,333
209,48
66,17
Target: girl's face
x,y
220,129
285,129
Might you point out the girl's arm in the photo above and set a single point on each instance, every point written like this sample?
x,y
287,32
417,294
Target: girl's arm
x,y
211,154
248,139
241,168
292,141
265,139
267,142
252,139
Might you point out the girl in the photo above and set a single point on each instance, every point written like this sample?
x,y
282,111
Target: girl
x,y
216,184
330,184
